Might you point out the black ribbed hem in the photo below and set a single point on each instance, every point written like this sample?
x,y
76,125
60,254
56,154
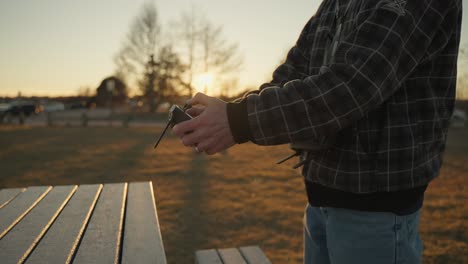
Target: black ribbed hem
x,y
238,121
403,202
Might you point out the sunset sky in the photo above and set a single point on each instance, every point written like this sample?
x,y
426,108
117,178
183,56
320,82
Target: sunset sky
x,y
54,47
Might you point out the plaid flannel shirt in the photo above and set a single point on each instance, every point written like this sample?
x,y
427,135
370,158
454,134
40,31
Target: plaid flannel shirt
x,y
381,104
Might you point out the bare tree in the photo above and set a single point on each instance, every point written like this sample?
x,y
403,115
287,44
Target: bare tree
x,y
219,56
149,60
188,31
169,71
215,54
84,91
141,45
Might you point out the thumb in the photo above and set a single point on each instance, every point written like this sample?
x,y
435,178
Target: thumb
x,y
199,98
195,111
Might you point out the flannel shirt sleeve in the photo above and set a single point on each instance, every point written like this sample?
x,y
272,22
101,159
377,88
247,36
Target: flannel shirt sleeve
x,y
370,64
294,67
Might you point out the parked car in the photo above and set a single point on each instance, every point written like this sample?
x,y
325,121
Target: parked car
x,y
53,106
18,109
4,107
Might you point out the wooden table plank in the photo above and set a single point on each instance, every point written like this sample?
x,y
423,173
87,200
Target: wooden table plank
x,y
101,240
208,256
142,238
254,254
15,210
6,195
231,256
59,243
16,245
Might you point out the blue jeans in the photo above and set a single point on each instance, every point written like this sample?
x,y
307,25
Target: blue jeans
x,y
343,236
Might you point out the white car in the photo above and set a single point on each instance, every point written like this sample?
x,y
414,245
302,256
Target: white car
x,y
53,107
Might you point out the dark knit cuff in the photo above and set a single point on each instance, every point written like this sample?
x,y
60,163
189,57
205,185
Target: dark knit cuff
x,y
238,121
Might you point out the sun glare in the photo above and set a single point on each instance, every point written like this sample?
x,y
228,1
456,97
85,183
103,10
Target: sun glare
x,y
203,82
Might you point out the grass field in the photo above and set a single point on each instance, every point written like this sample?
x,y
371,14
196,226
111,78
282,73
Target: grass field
x,y
232,199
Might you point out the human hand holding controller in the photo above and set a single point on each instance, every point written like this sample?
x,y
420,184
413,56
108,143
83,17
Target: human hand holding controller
x,y
209,129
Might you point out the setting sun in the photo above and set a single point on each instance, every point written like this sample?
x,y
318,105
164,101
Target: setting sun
x,y
203,82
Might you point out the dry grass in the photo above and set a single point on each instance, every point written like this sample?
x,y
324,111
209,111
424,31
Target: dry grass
x,y
227,200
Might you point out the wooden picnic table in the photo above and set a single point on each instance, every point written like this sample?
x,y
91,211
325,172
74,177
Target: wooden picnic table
x,y
98,223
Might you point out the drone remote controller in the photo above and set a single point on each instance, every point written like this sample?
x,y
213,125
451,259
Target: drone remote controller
x,y
176,115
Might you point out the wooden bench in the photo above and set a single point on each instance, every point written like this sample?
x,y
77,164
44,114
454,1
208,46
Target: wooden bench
x,y
110,223
243,255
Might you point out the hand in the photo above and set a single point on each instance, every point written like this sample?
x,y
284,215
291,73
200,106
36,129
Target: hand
x,y
209,130
195,110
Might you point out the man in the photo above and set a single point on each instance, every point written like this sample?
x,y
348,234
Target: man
x,y
365,97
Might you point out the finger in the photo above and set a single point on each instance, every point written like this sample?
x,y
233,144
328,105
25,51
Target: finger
x,y
186,127
195,111
215,149
192,139
208,146
219,144
199,98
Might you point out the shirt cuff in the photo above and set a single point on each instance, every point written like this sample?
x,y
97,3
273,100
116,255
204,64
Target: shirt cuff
x,y
238,121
